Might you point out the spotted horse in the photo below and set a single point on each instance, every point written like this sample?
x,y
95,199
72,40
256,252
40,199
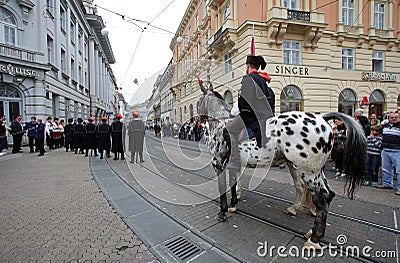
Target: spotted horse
x,y
302,140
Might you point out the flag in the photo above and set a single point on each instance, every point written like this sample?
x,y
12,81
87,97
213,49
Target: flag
x,y
252,45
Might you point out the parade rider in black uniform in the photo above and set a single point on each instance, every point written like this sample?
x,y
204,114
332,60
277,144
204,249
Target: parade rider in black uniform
x,y
256,105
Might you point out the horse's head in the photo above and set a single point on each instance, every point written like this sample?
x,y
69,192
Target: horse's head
x,y
212,104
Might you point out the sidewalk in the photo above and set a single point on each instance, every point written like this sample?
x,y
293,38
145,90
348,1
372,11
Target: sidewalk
x,y
52,210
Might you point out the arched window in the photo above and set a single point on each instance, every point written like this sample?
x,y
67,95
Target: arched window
x,y
291,99
347,102
377,104
185,113
228,99
8,27
180,115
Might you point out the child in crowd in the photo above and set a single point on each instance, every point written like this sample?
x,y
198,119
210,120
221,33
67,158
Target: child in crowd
x,y
373,156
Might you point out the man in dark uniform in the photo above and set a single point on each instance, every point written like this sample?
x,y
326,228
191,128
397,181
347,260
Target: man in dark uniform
x,y
17,132
256,103
69,135
136,136
39,136
116,135
103,133
91,137
31,129
79,134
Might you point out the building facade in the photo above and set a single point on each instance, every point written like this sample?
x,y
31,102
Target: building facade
x,y
54,61
322,56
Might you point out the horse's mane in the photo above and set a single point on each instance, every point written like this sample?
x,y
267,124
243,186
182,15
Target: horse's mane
x,y
219,96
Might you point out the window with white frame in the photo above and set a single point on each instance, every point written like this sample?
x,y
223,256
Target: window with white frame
x,y
227,12
72,30
378,61
290,4
190,33
63,61
197,22
50,51
80,76
347,58
291,52
63,19
348,12
85,48
50,7
73,69
80,41
8,28
198,50
228,62
379,15
206,7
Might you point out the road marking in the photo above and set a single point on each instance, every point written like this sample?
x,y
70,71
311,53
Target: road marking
x,y
397,243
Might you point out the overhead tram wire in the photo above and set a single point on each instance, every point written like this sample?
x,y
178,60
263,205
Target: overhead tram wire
x,y
133,55
162,11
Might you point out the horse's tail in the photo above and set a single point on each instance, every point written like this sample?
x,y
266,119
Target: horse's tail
x,y
355,151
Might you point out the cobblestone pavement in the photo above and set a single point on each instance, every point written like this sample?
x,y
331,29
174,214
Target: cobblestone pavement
x,y
52,210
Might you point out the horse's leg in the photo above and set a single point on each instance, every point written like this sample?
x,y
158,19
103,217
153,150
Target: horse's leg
x,y
300,189
238,189
309,203
232,183
322,197
222,191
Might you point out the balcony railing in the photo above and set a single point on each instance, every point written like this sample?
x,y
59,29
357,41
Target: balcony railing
x,y
14,52
298,15
217,34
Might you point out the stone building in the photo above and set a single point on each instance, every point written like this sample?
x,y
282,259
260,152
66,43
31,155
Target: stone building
x,y
322,55
54,60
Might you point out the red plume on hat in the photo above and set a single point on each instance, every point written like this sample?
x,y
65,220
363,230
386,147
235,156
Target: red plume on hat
x,y
91,119
118,116
104,118
364,102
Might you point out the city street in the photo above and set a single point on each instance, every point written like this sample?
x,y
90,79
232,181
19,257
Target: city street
x,y
53,210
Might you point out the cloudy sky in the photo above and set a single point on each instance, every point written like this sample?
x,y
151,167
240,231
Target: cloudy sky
x,y
152,53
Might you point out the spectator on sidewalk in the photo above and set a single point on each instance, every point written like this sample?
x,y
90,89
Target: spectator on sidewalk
x,y
391,151
136,137
3,135
40,131
30,127
373,156
103,134
49,132
17,131
337,153
91,137
79,137
69,135
116,135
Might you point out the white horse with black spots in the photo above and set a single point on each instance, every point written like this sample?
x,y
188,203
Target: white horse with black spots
x,y
302,140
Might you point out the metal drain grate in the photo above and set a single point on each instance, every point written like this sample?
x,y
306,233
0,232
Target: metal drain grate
x,y
182,248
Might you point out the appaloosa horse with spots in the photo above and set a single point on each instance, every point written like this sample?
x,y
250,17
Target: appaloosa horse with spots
x,y
302,140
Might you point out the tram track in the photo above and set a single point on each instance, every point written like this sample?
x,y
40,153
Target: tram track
x,y
259,193
251,216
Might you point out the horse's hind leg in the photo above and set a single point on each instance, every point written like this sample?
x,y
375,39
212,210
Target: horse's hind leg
x,y
223,200
321,196
232,183
309,203
300,189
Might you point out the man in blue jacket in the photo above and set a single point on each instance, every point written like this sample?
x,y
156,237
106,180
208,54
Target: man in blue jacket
x,y
30,127
39,136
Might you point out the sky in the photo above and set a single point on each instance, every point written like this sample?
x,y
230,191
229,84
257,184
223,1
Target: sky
x,y
152,46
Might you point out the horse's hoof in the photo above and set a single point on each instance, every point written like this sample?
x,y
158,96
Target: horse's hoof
x,y
221,218
312,212
308,234
232,209
311,245
291,211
